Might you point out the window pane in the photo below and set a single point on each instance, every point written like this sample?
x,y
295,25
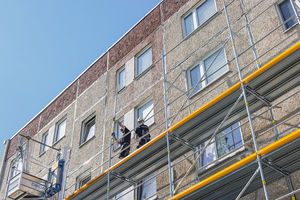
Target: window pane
x,y
215,70
144,61
144,111
205,11
61,128
121,79
128,194
287,12
89,130
149,187
230,141
209,154
189,24
195,77
44,141
118,133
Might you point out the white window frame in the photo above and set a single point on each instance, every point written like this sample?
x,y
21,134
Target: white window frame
x,y
118,78
193,12
215,151
83,179
13,172
85,124
149,47
118,133
147,122
45,138
285,28
128,194
58,128
201,65
151,179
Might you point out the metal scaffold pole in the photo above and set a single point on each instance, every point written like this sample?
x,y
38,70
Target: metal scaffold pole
x,y
247,107
167,126
111,143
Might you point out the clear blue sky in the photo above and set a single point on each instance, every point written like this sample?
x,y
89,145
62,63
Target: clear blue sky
x,y
46,44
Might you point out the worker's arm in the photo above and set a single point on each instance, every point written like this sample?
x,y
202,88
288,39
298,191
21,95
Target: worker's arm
x,y
114,136
136,136
120,124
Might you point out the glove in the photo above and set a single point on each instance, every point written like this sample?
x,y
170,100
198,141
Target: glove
x,y
114,119
113,134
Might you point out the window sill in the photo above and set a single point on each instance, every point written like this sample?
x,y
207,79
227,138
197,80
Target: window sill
x,y
118,148
143,72
58,140
122,89
224,74
42,153
87,141
218,161
288,29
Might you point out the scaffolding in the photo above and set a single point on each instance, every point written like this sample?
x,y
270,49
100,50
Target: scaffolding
x,y
247,169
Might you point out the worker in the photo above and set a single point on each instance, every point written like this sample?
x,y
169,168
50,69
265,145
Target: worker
x,y
141,131
124,141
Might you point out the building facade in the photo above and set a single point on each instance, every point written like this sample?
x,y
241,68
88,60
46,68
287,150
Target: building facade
x,y
182,58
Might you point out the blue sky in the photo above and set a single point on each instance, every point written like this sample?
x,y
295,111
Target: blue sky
x,y
45,45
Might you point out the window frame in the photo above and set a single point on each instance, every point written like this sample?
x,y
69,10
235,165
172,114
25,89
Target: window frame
x,y
151,178
201,65
118,78
280,15
57,128
214,146
84,125
19,167
118,133
136,65
141,106
196,23
43,148
81,178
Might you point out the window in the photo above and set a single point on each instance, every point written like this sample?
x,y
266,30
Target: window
x,y
143,60
121,79
215,67
286,12
44,141
60,130
118,133
146,112
18,164
198,16
222,146
148,189
88,129
83,179
127,194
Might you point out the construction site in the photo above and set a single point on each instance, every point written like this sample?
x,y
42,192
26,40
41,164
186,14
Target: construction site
x,y
217,83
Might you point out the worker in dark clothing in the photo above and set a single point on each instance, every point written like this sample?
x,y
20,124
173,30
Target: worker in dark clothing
x,y
140,131
124,141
